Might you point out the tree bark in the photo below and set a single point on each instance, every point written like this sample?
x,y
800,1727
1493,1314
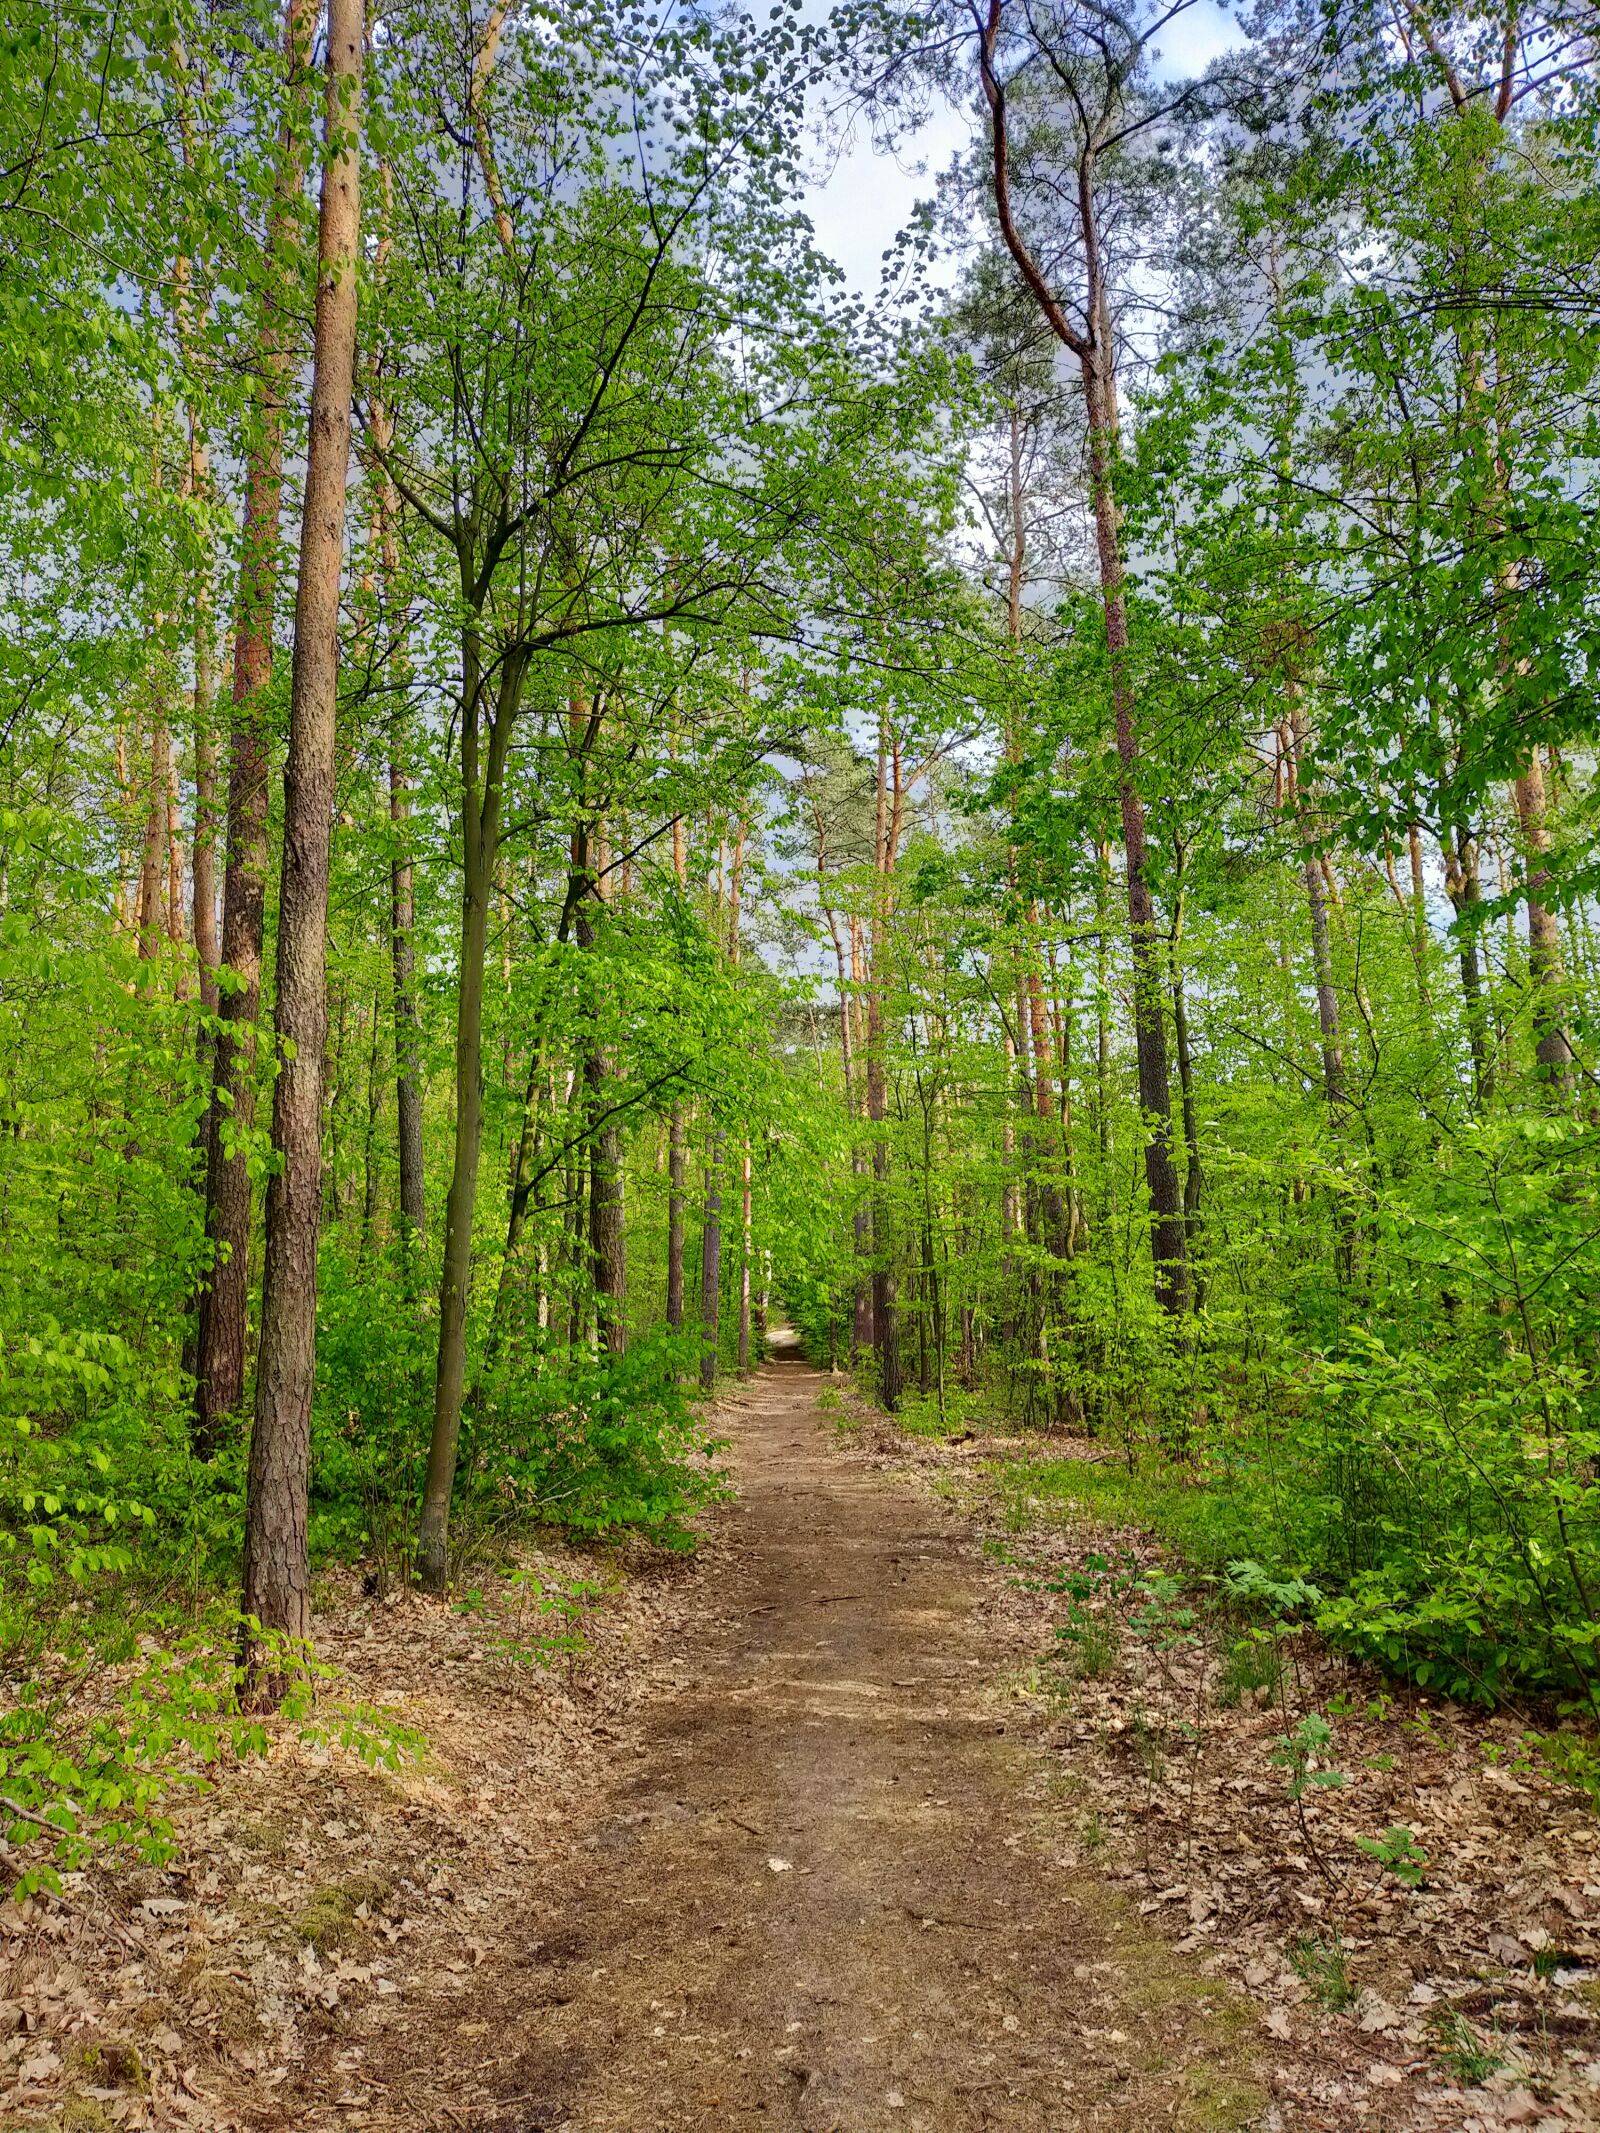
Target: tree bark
x,y
676,1137
220,1340
676,1153
1150,1038
157,770
711,1265
744,1259
861,1330
203,867
1328,1024
1465,893
277,1584
402,884
482,777
1095,351
1546,968
885,1317
607,1238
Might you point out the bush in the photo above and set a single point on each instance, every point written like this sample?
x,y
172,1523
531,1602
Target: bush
x,y
594,1444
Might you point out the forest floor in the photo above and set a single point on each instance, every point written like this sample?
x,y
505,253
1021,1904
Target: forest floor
x,y
798,1836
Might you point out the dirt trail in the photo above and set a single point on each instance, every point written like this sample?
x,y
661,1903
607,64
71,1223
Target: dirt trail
x,y
825,1901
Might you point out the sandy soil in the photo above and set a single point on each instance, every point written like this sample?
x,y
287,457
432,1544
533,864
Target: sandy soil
x,y
825,1901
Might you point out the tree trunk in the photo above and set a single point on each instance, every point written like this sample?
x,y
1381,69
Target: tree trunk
x,y
711,1265
885,1324
157,763
482,776
1465,893
369,1137
861,1329
277,1585
1333,1072
203,868
402,885
1150,1036
220,1341
675,1176
744,1260
1546,972
522,1178
607,1239
1095,350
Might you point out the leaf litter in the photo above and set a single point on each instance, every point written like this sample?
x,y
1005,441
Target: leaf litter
x,y
1419,1927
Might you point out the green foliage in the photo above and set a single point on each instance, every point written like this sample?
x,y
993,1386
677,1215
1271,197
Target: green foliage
x,y
74,1792
1461,2048
599,1445
1323,1965
1398,1854
1301,1754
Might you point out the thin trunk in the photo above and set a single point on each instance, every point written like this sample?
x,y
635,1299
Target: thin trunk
x,y
676,1130
482,776
1333,1071
885,1319
1466,894
1102,1025
203,867
676,1155
157,769
176,935
220,1341
711,1265
402,887
744,1260
277,1584
1546,971
369,1138
1150,1036
1194,1174
607,1240
861,1335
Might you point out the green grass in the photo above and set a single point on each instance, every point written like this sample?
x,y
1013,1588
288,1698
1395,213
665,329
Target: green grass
x,y
1210,1526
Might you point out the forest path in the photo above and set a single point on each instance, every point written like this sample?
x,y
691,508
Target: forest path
x,y
823,1900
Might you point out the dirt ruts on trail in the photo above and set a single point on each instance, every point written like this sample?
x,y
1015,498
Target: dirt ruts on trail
x,y
825,1899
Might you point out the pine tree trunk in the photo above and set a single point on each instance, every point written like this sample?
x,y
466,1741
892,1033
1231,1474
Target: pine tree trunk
x,y
277,1584
220,1341
203,867
1150,1036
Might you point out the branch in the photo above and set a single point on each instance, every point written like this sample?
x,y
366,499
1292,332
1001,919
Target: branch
x,y
995,97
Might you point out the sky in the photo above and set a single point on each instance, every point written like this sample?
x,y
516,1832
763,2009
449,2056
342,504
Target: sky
x,y
867,195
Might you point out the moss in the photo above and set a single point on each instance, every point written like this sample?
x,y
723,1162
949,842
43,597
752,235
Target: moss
x,y
81,2114
226,2000
1217,2101
268,1836
110,2062
329,1918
